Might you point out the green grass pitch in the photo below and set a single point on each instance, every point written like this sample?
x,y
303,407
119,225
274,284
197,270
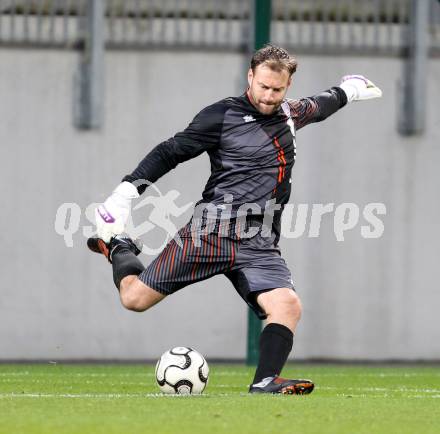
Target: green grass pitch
x,y
90,399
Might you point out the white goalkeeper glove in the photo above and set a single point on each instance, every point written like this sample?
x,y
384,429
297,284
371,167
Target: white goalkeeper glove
x,y
358,88
112,215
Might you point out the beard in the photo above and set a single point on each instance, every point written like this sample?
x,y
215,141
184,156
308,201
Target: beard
x,y
265,109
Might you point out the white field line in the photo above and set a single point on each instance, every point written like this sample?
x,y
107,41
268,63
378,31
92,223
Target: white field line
x,y
217,373
158,395
47,374
71,395
403,389
70,383
381,389
104,375
108,395
380,374
363,395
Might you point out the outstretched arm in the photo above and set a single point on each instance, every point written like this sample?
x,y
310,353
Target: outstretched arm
x,y
318,107
305,111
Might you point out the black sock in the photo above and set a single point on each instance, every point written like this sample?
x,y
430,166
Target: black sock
x,y
276,343
125,263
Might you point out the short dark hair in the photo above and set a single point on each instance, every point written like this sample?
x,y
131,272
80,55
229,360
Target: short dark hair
x,y
276,58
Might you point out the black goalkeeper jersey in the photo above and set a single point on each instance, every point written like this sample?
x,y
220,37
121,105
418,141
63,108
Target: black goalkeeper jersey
x,y
251,154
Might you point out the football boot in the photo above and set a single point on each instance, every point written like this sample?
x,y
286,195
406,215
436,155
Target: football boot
x,y
98,245
282,385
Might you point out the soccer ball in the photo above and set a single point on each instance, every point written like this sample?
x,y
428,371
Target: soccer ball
x,y
182,371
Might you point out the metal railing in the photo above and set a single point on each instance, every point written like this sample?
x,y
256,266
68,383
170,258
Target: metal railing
x,y
349,26
310,26
361,27
178,23
40,23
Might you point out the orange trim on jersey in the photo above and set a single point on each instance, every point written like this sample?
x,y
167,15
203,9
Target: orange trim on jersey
x,y
282,160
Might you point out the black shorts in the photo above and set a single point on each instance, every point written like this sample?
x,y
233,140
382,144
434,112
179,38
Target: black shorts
x,y
253,265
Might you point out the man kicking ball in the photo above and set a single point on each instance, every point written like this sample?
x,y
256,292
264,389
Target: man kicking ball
x,y
250,140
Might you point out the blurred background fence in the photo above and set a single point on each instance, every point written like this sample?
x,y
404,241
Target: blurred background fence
x,y
361,27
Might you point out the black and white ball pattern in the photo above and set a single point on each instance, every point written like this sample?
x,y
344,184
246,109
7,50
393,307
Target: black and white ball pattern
x,y
183,371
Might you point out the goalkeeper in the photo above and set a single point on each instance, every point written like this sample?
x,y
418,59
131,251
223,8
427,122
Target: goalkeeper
x,y
251,142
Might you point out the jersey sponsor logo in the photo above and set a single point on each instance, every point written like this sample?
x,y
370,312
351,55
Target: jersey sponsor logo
x,y
281,160
249,118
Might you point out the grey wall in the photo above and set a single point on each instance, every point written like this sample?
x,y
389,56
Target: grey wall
x,y
374,298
